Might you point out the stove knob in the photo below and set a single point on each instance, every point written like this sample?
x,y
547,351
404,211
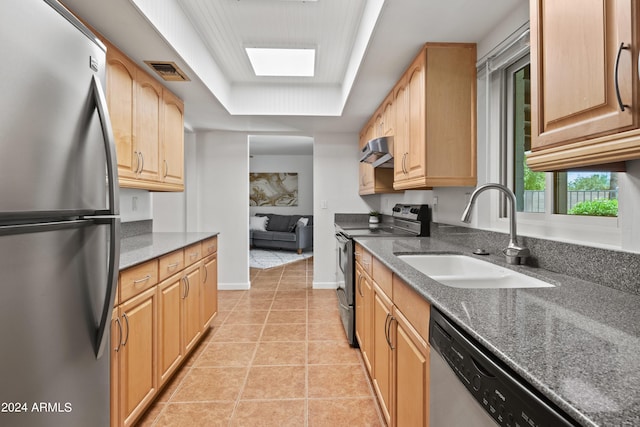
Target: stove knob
x,y
396,209
414,210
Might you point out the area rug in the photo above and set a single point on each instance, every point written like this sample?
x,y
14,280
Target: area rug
x,y
269,258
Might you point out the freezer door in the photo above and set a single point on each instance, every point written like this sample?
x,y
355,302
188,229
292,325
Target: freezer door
x,y
53,155
53,294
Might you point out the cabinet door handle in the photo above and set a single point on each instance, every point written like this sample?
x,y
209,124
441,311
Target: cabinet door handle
x,y
387,330
615,75
166,168
404,159
188,287
119,335
144,279
206,274
137,169
142,166
172,266
193,255
126,319
360,286
184,288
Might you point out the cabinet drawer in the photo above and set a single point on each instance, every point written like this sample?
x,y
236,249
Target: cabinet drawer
x,y
170,264
137,279
192,254
415,308
382,276
363,257
209,246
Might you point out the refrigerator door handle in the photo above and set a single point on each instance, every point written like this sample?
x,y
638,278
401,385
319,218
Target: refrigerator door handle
x,y
109,146
112,277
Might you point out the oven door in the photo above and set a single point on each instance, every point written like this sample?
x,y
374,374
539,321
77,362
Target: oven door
x,y
346,290
345,267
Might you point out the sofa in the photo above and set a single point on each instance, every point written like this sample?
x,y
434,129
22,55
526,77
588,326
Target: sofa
x,y
292,232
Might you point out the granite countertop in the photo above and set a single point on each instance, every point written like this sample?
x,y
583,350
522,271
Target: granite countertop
x,y
141,248
578,343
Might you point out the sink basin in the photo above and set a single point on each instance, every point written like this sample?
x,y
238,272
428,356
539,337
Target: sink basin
x,y
461,271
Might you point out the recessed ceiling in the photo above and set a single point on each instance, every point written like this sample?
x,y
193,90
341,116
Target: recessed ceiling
x,y
222,97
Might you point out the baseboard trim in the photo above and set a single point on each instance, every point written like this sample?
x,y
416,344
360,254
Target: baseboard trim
x,y
234,286
325,285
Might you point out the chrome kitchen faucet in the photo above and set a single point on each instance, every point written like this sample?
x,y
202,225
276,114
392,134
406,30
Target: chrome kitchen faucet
x,y
514,253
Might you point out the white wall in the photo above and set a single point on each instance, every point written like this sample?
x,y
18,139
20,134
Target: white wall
x,y
223,201
302,165
135,205
335,190
177,211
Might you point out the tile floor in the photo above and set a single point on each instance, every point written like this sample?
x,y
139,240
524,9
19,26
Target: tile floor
x,y
275,356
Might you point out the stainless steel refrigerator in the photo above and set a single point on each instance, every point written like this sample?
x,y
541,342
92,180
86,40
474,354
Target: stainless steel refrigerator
x,y
59,225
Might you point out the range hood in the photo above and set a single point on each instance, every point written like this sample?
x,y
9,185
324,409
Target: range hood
x,y
377,152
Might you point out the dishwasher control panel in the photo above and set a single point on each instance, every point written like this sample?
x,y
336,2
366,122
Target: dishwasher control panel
x,y
507,398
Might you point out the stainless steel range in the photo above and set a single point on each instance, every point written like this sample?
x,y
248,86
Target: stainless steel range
x,y
406,221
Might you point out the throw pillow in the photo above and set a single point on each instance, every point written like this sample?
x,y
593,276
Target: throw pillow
x,y
303,221
258,223
278,223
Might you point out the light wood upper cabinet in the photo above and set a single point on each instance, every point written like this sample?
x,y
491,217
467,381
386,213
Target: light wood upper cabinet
x,y
584,83
148,113
172,153
373,180
121,89
148,124
435,103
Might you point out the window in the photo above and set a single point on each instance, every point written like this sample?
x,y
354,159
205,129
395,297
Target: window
x,y
592,193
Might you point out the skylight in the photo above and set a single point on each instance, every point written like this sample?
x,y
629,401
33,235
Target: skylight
x,y
282,62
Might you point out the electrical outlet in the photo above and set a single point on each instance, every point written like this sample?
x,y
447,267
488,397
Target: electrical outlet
x,y
134,203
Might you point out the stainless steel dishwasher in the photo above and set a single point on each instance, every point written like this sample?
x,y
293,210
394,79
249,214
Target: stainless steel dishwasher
x,y
470,387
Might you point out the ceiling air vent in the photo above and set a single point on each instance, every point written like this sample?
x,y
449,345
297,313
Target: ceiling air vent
x,y
168,70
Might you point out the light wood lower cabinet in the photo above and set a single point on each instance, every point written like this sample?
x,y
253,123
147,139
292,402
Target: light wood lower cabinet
x,y
398,348
192,328
411,374
137,355
382,366
171,351
156,325
209,291
363,315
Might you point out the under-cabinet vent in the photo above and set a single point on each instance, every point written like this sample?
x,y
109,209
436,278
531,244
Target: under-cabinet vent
x,y
168,70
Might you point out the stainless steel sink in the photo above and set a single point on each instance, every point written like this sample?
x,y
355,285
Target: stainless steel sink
x,y
461,271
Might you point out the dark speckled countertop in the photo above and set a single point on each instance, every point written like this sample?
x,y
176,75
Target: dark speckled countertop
x,y
143,247
578,343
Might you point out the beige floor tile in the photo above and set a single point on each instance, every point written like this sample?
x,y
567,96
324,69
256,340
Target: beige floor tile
x,y
332,352
275,382
292,368
173,384
287,316
331,381
343,412
289,304
226,354
291,294
150,416
267,413
322,332
196,414
205,384
324,316
280,353
247,317
253,304
284,332
237,333
322,303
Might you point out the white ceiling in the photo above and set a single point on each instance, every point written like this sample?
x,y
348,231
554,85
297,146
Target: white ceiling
x,y
363,48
